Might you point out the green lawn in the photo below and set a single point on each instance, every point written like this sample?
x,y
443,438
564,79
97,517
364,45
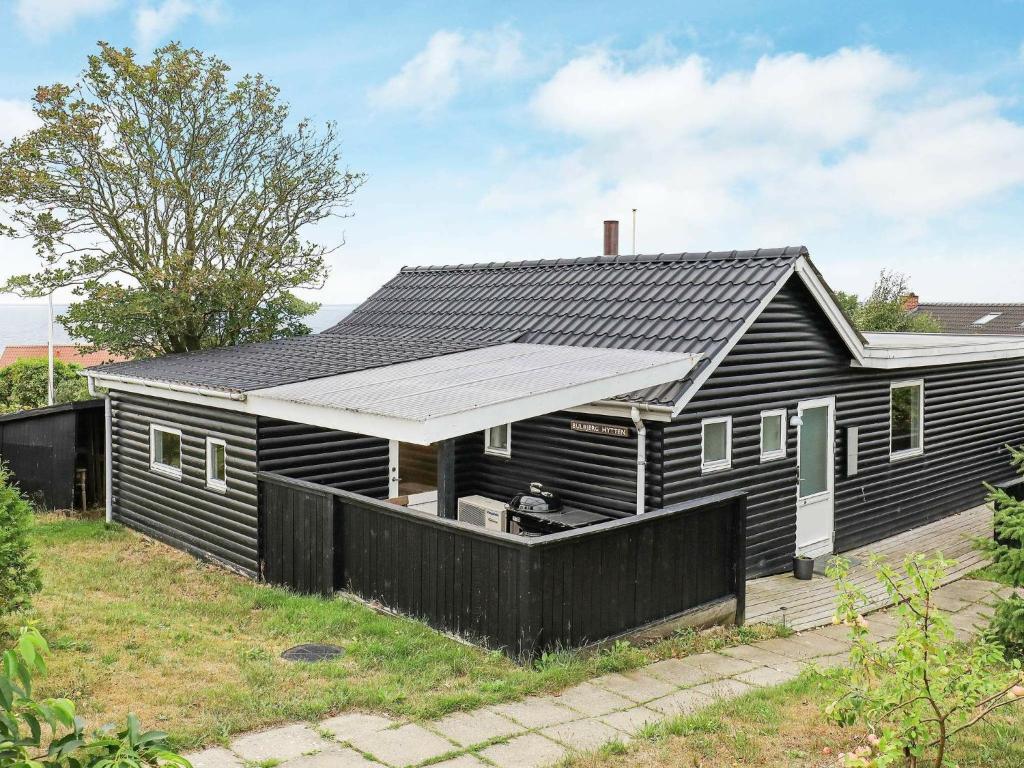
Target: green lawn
x,y
193,649
784,727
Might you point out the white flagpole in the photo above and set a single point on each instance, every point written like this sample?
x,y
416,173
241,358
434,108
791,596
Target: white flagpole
x,y
49,357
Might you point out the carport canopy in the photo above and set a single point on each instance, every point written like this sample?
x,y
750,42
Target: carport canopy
x,y
437,398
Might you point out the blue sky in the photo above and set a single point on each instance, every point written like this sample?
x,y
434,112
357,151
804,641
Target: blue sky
x,y
878,134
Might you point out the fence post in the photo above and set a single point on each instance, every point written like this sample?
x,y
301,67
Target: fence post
x,y
530,602
740,556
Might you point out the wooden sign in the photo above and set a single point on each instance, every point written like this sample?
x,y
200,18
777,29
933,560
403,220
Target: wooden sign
x,y
599,429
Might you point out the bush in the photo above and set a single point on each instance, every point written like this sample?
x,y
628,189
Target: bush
x,y
922,690
23,384
19,577
1006,551
24,717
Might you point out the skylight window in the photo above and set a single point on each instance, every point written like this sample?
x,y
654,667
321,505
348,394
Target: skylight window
x,y
986,319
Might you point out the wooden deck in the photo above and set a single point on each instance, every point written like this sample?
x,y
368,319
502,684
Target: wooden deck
x,y
806,604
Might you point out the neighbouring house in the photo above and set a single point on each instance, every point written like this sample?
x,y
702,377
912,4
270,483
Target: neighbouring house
x,y
695,418
971,318
67,353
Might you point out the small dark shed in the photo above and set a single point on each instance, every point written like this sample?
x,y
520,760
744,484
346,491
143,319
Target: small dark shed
x,y
46,449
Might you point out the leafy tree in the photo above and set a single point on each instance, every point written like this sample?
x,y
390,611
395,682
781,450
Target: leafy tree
x,y
1006,551
23,743
19,576
174,201
917,693
883,309
23,384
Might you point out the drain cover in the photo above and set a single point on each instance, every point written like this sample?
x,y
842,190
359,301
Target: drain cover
x,y
312,652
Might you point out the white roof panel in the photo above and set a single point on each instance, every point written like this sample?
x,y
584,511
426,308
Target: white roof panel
x,y
423,401
915,350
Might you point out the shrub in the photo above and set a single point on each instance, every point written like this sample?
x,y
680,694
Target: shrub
x,y
922,690
24,717
23,384
1006,551
19,577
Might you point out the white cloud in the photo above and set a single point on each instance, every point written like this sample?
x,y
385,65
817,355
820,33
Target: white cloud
x,y
16,118
41,18
434,76
153,24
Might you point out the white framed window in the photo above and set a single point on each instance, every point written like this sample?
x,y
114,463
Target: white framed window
x,y
773,434
498,440
715,444
165,450
906,419
216,464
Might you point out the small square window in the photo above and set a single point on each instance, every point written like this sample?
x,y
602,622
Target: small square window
x,y
716,444
773,435
498,440
906,419
165,450
216,464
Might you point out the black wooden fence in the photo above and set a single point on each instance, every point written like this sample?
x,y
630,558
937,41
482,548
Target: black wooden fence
x,y
50,450
523,595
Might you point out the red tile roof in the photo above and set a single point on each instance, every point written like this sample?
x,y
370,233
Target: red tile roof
x,y
68,353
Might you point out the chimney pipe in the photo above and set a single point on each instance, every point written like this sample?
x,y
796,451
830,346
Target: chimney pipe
x,y
611,238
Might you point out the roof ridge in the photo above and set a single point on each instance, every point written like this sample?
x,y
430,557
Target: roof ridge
x,y
971,304
655,258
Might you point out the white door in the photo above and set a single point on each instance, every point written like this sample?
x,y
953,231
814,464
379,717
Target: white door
x,y
815,497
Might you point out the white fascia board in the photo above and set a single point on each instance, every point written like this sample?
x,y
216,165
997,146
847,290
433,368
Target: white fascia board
x,y
823,296
264,403
622,409
193,395
710,368
891,358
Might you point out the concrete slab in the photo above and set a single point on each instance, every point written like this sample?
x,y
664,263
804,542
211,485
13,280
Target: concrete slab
x,y
529,751
353,724
333,757
718,665
631,721
462,761
969,590
215,757
408,745
676,672
284,743
719,690
536,712
783,647
763,676
637,685
758,656
468,728
591,700
835,661
681,702
583,735
819,643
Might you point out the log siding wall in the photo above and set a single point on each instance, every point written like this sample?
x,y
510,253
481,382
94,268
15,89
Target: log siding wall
x,y
791,353
185,513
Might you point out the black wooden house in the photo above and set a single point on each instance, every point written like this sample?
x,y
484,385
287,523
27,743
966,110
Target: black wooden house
x,y
712,414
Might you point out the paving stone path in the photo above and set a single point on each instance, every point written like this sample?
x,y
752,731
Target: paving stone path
x,y
541,730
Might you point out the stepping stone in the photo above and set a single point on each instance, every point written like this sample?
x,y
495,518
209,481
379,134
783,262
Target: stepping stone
x,y
348,727
536,712
214,757
834,661
719,690
462,761
282,743
840,632
468,728
783,647
333,757
767,676
758,656
717,665
407,745
637,685
592,701
583,735
968,590
529,751
681,702
631,721
948,602
676,672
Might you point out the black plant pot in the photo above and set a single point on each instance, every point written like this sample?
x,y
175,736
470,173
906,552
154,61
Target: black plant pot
x,y
803,568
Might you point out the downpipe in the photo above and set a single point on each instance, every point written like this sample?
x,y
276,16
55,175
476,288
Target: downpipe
x,y
641,460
